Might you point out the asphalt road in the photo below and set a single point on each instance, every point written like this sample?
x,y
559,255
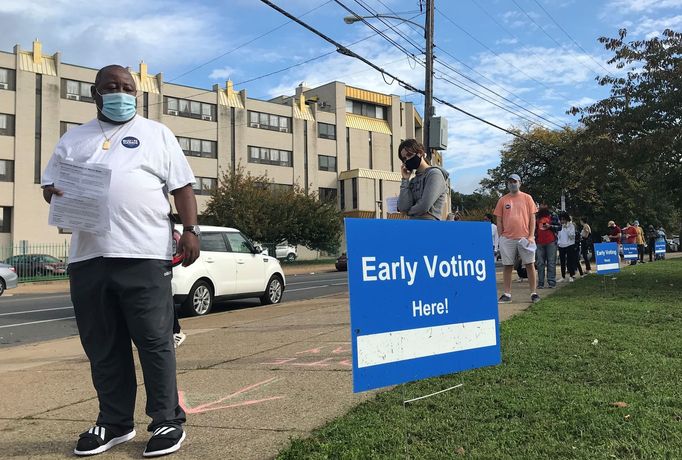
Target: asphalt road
x,y
32,318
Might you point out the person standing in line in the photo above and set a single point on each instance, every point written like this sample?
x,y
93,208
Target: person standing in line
x,y
496,238
120,280
422,196
586,243
661,237
546,230
651,235
640,242
576,246
515,213
567,250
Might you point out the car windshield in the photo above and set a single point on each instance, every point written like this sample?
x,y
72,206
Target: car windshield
x,y
50,259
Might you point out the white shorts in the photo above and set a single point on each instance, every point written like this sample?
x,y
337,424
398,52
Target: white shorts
x,y
509,251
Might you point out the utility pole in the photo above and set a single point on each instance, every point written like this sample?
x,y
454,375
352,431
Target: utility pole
x,y
428,78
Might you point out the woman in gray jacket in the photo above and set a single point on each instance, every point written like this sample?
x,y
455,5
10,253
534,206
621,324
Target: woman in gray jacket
x,y
422,196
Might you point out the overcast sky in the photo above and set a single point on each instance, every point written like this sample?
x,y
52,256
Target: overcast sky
x,y
541,54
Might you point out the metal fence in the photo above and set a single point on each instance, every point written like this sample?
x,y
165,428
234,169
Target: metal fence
x,y
37,262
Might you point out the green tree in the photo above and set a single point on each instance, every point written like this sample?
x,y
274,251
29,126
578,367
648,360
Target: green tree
x,y
273,215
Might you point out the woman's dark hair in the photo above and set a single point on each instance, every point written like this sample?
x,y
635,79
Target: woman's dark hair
x,y
584,219
565,216
411,145
543,211
489,216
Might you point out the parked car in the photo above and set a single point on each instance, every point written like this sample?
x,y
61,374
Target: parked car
x,y
342,263
8,277
229,267
673,244
28,265
286,252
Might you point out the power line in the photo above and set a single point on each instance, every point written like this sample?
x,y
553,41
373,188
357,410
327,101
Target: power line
x,y
570,37
445,79
490,49
547,33
343,50
245,43
448,66
377,15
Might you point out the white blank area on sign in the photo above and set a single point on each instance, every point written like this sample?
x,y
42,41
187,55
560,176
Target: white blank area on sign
x,y
608,266
394,346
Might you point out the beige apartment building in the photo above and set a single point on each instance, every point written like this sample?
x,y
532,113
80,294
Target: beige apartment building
x,y
335,140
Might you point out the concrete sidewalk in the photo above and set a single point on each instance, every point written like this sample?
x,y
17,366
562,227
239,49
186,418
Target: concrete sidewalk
x,y
249,380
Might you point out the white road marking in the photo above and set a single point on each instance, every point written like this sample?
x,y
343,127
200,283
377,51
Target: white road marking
x,y
36,322
35,311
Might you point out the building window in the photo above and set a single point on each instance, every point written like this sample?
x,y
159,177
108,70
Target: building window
x,y
5,219
269,121
6,171
280,188
326,163
326,131
342,194
205,185
366,109
189,109
198,147
354,192
270,156
327,194
7,79
6,124
64,126
76,90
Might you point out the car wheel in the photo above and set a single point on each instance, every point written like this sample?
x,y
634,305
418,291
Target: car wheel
x,y
200,299
273,291
291,257
2,286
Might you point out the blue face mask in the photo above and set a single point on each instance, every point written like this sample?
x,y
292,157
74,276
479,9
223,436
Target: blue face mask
x,y
118,106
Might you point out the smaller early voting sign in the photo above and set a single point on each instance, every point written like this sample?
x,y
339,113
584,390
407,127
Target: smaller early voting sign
x,y
423,299
659,247
630,252
606,255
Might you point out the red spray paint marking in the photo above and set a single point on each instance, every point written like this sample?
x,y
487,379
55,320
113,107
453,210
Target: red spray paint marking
x,y
214,405
346,362
281,361
341,349
320,363
315,351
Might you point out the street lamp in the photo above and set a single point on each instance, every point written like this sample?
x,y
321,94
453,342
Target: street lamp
x,y
428,51
354,19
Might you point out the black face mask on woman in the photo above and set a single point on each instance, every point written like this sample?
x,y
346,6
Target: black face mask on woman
x,y
413,163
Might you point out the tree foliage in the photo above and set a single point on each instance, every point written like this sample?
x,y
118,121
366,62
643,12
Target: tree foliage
x,y
624,162
271,215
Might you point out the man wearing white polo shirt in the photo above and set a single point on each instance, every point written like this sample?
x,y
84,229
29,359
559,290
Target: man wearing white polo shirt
x,y
121,278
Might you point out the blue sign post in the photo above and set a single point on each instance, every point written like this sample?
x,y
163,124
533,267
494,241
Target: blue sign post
x,y
630,252
606,256
659,247
423,299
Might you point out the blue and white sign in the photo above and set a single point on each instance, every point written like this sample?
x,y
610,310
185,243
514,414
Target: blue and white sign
x,y
423,299
606,255
659,247
630,252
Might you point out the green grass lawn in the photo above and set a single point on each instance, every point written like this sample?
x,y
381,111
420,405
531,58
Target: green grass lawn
x,y
566,361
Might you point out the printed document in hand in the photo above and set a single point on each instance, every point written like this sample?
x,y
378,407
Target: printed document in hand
x,y
85,203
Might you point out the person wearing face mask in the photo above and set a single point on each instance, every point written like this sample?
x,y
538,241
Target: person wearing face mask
x,y
568,254
422,196
547,227
121,279
515,213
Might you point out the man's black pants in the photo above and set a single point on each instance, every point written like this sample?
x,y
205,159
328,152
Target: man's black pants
x,y
116,300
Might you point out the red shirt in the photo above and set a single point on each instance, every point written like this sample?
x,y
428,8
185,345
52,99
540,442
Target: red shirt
x,y
631,235
545,236
614,236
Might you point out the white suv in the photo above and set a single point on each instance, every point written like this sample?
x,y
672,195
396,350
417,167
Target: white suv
x,y
229,267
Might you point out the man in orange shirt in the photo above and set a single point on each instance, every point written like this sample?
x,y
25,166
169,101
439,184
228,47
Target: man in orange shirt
x,y
515,213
